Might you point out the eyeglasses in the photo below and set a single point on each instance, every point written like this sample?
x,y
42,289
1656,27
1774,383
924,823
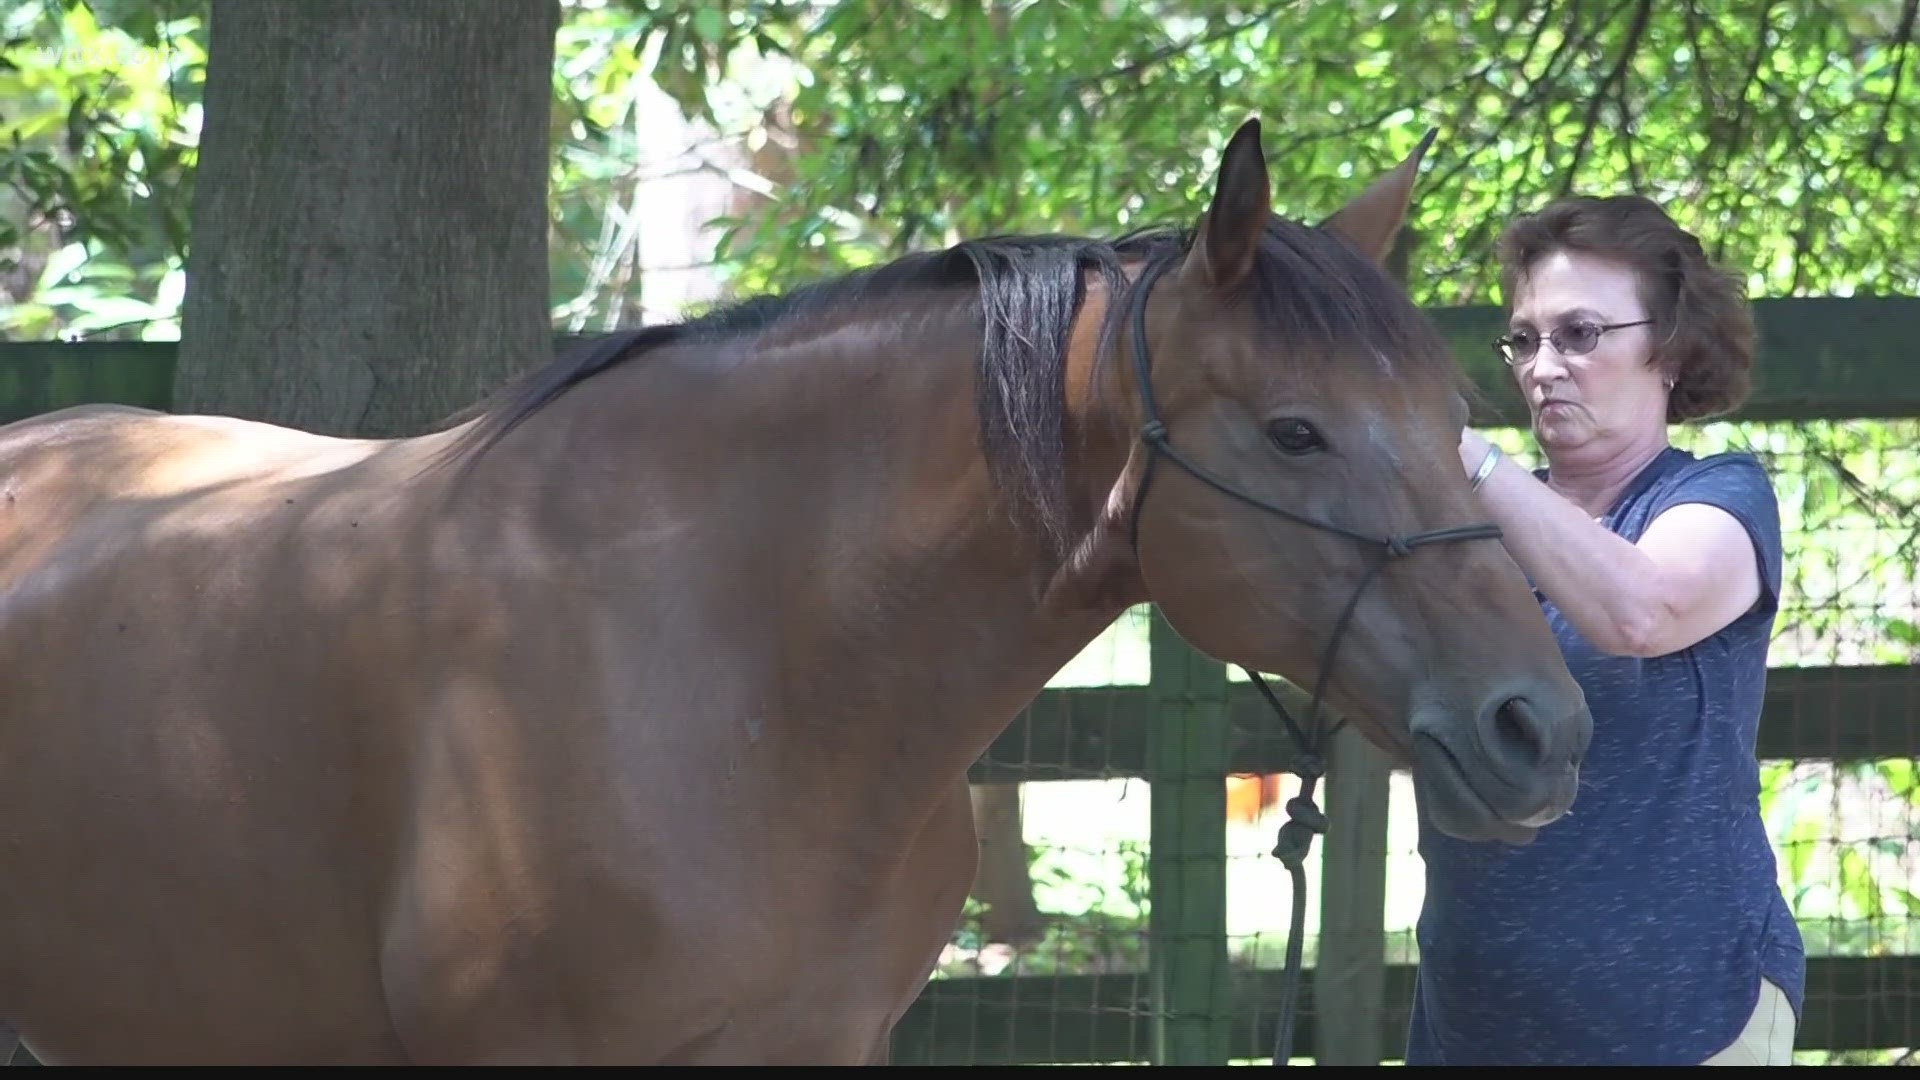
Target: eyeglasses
x,y
1574,339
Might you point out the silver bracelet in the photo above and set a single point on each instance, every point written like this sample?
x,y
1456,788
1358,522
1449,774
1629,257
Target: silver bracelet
x,y
1486,466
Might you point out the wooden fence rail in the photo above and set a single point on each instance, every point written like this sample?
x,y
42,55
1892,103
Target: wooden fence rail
x,y
1081,733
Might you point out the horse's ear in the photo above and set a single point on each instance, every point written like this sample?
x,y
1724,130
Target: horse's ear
x,y
1373,218
1229,233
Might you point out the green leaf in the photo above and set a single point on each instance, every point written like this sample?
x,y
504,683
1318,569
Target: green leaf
x,y
1898,775
61,265
710,24
1857,884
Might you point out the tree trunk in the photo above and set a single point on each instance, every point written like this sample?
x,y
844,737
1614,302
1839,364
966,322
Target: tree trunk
x,y
1002,883
369,249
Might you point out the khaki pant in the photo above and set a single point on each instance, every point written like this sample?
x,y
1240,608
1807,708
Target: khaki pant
x,y
1768,1037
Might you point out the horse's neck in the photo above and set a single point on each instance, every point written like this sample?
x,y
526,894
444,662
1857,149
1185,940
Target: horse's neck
x,y
837,479
927,601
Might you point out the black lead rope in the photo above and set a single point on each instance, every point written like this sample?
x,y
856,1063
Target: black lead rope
x,y
1305,819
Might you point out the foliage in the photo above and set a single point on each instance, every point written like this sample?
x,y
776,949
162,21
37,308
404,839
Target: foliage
x,y
1088,927
99,114
1783,133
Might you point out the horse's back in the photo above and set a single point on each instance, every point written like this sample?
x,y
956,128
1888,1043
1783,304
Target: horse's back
x,y
154,817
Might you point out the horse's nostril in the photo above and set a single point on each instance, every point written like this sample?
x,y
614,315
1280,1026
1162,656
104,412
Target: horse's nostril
x,y
1508,726
1516,738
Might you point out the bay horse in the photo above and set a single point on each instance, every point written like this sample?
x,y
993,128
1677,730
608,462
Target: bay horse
x,y
626,718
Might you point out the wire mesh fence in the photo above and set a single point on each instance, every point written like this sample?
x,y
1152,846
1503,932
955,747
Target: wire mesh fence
x,y
1105,981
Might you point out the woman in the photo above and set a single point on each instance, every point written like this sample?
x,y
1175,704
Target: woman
x,y
1647,926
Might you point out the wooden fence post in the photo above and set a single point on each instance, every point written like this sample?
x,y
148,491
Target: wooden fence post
x,y
1349,967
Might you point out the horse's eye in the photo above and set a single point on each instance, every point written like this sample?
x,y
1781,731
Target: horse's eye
x,y
1295,436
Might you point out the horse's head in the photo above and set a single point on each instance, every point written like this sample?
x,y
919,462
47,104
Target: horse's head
x,y
1311,419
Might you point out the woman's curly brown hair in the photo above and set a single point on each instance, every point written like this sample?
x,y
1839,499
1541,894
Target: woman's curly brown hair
x,y
1704,335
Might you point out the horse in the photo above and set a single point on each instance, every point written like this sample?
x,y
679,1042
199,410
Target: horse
x,y
625,717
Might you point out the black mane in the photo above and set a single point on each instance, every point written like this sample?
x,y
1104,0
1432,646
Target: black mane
x,y
1307,286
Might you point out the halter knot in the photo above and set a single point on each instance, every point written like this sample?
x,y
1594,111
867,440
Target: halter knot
x,y
1153,432
1304,822
1398,547
1305,811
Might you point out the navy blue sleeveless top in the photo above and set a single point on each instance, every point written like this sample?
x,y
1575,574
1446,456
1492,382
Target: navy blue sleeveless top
x,y
1635,930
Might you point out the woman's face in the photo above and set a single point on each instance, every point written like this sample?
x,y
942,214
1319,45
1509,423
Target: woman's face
x,y
1606,395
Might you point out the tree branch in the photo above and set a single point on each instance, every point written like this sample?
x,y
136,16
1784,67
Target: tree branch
x,y
1702,76
1537,89
1625,107
1467,102
1901,39
1736,130
1168,52
1639,27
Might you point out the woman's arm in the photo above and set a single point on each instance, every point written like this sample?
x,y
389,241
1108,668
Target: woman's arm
x,y
1694,570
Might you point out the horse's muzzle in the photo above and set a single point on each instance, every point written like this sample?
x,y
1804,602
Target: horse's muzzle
x,y
1501,776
